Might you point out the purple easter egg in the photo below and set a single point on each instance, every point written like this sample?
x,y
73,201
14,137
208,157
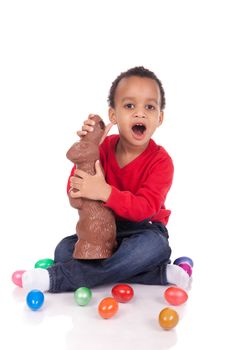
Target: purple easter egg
x,y
183,259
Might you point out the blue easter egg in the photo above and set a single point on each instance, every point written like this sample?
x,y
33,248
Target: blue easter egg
x,y
35,299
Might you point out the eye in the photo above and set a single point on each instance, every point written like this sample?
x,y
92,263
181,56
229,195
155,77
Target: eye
x,y
150,107
129,105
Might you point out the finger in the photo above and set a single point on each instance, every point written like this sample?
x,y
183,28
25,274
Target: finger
x,y
89,121
87,128
91,115
75,194
74,180
107,128
81,133
106,131
98,168
81,173
76,187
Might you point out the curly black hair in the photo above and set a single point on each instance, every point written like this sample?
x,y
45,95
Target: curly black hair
x,y
138,72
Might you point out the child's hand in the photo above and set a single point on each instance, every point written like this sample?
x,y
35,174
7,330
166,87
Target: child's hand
x,y
90,186
88,126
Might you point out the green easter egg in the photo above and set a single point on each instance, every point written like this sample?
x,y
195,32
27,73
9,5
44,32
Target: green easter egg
x,y
82,296
44,263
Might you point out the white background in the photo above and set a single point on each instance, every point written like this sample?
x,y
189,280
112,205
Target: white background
x,y
57,62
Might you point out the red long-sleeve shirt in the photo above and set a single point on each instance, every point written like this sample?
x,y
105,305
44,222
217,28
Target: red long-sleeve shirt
x,y
139,189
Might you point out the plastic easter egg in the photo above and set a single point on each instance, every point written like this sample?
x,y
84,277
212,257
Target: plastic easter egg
x,y
187,268
82,296
17,277
168,318
122,293
35,299
175,295
108,307
184,259
44,263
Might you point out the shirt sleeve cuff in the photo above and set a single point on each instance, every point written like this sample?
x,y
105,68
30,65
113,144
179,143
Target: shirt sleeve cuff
x,y
112,198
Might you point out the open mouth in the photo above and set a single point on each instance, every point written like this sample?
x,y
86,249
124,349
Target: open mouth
x,y
139,129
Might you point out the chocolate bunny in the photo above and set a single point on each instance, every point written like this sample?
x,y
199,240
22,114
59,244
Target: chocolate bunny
x,y
96,228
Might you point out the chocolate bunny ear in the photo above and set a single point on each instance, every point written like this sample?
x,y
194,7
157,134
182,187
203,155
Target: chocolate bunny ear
x,y
99,121
101,124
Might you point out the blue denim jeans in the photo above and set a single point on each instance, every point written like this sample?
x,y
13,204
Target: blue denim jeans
x,y
141,256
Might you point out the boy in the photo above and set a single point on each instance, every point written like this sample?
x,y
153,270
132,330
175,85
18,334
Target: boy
x,y
137,177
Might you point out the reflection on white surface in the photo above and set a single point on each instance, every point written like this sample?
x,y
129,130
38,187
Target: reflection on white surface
x,y
62,324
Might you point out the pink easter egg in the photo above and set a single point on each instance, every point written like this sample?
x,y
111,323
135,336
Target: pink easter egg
x,y
187,268
17,277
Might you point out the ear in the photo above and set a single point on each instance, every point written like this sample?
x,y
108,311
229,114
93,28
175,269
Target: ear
x,y
112,115
161,117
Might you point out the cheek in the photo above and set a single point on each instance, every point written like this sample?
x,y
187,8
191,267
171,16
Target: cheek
x,y
154,125
157,120
154,122
120,127
122,120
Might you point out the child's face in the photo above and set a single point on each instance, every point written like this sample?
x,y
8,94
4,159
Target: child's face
x,y
137,109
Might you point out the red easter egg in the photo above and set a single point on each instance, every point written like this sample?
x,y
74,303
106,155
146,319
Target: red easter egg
x,y
122,293
175,295
108,307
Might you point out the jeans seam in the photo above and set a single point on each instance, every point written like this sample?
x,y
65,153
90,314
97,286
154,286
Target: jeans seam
x,y
51,279
163,274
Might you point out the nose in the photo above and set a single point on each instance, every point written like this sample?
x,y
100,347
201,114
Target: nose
x,y
139,113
